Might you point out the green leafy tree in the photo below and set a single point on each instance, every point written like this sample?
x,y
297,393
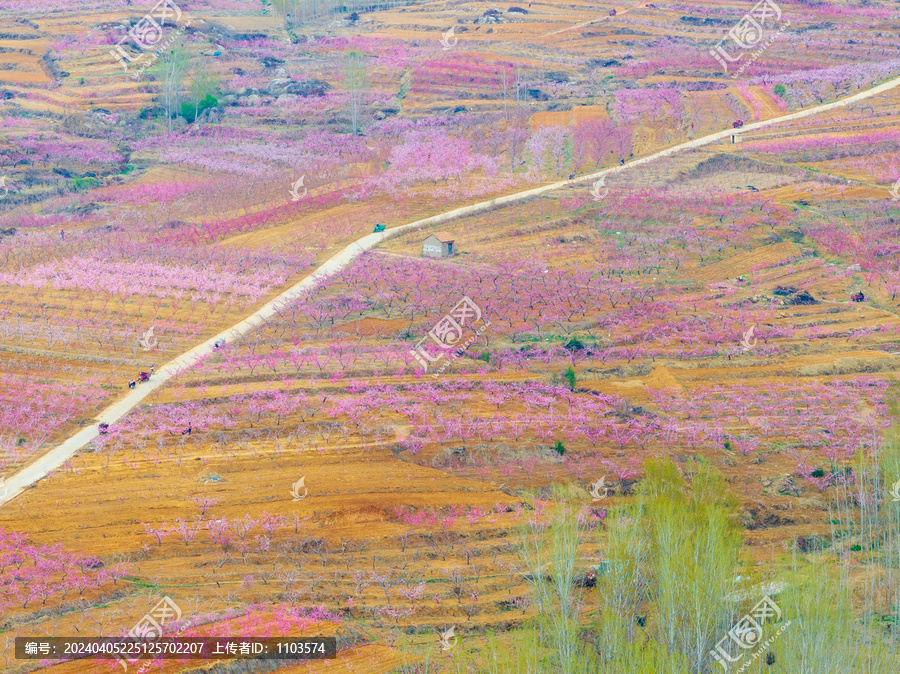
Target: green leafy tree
x,y
170,69
673,555
202,89
355,80
554,551
190,111
696,544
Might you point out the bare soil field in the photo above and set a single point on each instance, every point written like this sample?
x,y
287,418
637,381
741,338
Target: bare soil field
x,y
360,466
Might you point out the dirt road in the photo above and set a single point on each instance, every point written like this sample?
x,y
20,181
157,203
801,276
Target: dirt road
x,y
32,473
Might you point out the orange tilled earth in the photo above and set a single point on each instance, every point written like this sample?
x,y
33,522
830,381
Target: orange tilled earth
x,y
386,542
347,527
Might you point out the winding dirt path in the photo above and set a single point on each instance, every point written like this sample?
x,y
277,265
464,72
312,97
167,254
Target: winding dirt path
x,y
56,457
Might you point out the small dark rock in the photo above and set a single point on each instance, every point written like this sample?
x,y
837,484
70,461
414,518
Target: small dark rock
x,y
557,76
785,485
490,16
587,580
759,517
212,115
86,209
784,291
811,543
802,298
697,21
308,88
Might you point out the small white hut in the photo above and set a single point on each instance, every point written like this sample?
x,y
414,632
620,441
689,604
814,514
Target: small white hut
x,y
439,244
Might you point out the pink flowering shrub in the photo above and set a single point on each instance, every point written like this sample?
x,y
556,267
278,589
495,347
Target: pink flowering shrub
x,y
146,278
